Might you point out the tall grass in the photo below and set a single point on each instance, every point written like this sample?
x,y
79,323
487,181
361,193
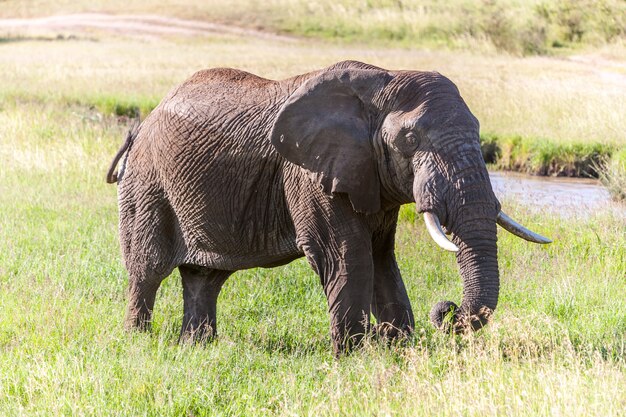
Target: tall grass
x,y
613,174
512,26
510,96
546,157
556,345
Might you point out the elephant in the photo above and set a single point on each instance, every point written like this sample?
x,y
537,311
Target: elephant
x,y
233,171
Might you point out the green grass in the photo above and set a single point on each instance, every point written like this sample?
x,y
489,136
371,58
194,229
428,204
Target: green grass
x,y
546,157
556,345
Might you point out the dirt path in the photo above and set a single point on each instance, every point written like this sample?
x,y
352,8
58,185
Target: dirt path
x,y
134,25
609,70
150,26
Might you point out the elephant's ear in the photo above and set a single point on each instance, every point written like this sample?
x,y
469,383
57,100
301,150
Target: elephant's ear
x,y
324,127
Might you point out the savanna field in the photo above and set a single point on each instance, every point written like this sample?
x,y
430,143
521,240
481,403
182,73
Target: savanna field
x,y
549,88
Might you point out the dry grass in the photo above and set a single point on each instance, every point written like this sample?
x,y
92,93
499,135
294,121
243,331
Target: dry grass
x,y
563,100
514,26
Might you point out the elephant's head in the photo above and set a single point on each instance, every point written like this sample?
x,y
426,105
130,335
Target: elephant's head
x,y
387,138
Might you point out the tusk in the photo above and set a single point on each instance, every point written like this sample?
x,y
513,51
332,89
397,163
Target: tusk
x,y
434,228
517,229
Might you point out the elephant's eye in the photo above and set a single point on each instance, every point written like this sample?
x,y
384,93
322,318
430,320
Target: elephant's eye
x,y
411,138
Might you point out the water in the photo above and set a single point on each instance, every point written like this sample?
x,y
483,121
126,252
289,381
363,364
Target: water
x,y
565,196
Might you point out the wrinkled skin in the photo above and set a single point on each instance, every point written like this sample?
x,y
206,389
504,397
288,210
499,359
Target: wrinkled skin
x,y
232,171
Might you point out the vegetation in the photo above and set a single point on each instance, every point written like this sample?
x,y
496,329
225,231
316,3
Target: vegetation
x,y
513,26
545,157
529,97
556,345
613,175
517,100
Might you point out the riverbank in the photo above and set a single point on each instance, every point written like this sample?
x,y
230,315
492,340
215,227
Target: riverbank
x,y
544,157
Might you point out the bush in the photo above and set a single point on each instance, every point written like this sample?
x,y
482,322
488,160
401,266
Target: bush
x,y
506,26
121,106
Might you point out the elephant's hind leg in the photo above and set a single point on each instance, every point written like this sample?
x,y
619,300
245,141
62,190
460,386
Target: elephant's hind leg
x,y
144,281
141,297
148,237
201,287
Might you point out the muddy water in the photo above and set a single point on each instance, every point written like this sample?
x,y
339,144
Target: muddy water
x,y
568,196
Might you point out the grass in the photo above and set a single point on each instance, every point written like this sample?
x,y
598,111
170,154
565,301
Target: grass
x,y
513,26
556,346
561,100
613,175
545,157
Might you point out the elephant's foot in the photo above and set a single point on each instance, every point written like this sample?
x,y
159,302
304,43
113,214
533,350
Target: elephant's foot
x,y
346,344
138,316
141,296
198,333
390,333
350,333
138,321
201,287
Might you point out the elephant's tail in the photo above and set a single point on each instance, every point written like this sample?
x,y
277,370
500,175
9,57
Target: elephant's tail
x,y
132,134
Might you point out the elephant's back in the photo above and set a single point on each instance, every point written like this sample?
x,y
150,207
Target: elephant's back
x,y
219,104
227,86
207,146
224,76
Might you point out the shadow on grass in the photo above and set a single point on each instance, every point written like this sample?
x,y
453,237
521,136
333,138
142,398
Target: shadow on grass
x,y
41,38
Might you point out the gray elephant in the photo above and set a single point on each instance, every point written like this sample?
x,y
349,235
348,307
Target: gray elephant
x,y
233,171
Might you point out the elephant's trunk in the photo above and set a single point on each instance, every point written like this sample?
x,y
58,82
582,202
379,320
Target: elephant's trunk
x,y
470,214
478,265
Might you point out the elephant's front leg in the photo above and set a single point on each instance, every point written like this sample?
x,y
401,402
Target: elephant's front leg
x,y
390,302
346,271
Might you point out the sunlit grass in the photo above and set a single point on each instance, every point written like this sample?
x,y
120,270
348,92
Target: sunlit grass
x,y
613,174
513,26
556,345
533,97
